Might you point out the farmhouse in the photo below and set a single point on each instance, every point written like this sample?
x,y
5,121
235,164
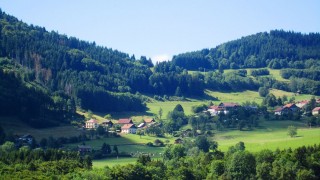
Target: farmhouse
x,y
149,121
302,104
125,121
107,123
84,148
316,111
282,111
222,108
27,138
228,106
215,110
92,124
128,129
292,107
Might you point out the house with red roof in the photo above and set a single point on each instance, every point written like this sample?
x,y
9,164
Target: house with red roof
x,y
125,121
302,104
228,105
223,108
293,107
316,111
129,129
92,124
149,121
215,110
282,111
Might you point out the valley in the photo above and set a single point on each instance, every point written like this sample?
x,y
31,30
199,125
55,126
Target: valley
x,y
73,109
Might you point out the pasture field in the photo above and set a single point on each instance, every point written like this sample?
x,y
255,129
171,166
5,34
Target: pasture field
x,y
270,135
15,126
126,142
238,97
112,162
275,73
169,106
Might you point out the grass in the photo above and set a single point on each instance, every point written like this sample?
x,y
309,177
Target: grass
x,y
270,135
124,140
170,105
112,162
297,97
275,73
15,126
238,97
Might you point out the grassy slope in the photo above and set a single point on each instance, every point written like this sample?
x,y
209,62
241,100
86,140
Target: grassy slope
x,y
270,135
15,126
275,73
169,106
112,162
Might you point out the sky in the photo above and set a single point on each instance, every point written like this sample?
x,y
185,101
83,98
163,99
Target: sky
x,y
160,29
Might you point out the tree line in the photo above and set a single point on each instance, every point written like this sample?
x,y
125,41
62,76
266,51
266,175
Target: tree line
x,y
275,49
202,161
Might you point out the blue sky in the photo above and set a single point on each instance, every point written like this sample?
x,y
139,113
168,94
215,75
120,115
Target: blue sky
x,y
162,28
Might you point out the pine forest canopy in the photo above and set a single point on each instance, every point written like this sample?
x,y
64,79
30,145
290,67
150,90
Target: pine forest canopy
x,y
66,69
277,49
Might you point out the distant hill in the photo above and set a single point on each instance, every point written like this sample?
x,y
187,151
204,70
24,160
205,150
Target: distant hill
x,y
276,49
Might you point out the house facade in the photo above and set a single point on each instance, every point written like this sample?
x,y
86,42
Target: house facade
x,y
222,108
302,104
293,107
129,129
107,123
316,111
215,110
92,124
282,111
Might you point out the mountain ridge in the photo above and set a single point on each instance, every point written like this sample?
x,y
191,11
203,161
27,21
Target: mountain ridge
x,y
254,51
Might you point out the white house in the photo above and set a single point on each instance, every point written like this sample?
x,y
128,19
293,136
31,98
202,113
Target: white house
x,y
92,124
128,129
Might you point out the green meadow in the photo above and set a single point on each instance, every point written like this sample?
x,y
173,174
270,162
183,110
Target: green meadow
x,y
112,162
270,135
14,126
127,143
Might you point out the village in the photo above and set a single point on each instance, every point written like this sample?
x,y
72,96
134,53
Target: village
x,y
127,126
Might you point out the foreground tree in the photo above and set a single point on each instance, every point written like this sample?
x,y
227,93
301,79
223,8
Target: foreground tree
x,y
241,165
292,131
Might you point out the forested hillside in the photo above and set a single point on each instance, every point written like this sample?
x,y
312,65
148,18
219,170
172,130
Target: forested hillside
x,y
97,78
66,69
276,49
80,70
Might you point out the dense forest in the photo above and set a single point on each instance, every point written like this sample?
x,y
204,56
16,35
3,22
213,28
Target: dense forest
x,y
65,70
277,49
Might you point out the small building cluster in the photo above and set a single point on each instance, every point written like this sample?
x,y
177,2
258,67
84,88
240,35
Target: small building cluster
x,y
286,109
127,125
224,108
295,107
94,124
